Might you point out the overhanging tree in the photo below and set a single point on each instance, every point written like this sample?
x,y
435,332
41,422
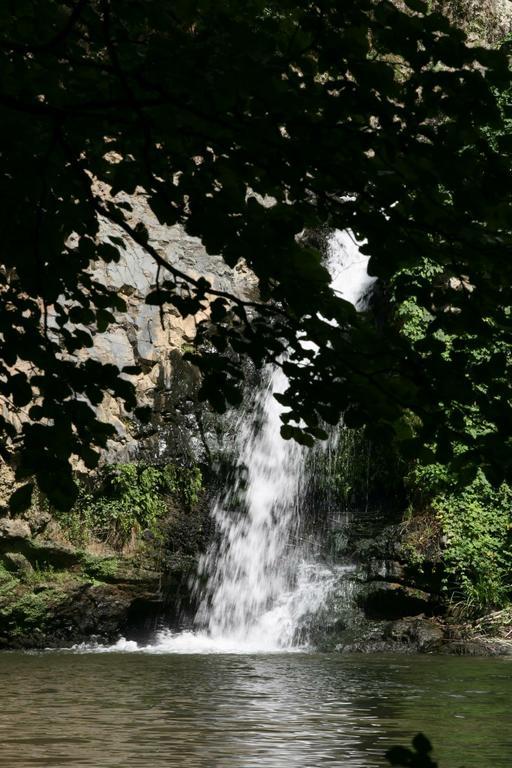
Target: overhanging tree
x,y
248,123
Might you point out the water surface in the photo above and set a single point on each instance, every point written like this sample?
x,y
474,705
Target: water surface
x,y
140,710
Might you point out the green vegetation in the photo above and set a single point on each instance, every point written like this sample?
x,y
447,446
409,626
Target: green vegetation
x,y
144,520
460,514
363,472
127,500
364,115
7,581
40,575
128,503
472,525
461,528
478,553
101,568
28,613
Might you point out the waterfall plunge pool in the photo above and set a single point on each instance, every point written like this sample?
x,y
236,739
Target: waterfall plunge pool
x,y
292,710
216,697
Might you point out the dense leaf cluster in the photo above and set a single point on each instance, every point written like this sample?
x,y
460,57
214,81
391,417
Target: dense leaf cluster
x,y
129,499
475,523
248,123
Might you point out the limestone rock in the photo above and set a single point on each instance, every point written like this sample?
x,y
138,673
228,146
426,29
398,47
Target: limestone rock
x,y
38,518
144,335
14,528
385,570
54,553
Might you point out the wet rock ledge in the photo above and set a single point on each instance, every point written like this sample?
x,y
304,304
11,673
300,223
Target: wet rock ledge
x,y
392,603
53,594
57,593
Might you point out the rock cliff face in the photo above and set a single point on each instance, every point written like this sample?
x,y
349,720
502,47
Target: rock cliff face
x,y
156,340
61,579
487,21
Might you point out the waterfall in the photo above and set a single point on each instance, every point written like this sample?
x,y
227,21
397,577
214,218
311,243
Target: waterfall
x,y
259,582
250,567
348,268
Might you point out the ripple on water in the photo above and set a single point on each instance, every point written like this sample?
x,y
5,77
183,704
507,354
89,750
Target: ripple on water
x,y
115,707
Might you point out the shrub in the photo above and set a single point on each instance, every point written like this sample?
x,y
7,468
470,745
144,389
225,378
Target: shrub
x,y
476,524
477,527
129,499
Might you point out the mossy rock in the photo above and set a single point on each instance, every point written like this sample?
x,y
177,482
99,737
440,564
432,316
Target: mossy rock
x,y
118,570
17,563
425,635
26,614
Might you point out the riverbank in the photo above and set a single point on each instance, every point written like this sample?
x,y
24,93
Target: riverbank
x,y
55,593
77,597
119,563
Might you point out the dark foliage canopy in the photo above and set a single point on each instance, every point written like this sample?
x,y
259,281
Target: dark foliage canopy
x,y
357,114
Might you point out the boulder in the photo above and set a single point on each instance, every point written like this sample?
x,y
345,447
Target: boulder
x,y
487,646
426,635
38,519
17,563
56,554
385,570
14,528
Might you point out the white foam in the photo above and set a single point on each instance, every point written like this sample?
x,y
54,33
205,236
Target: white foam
x,y
185,642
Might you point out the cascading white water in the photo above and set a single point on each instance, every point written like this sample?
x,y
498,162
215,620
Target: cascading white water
x,y
348,268
259,582
250,567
